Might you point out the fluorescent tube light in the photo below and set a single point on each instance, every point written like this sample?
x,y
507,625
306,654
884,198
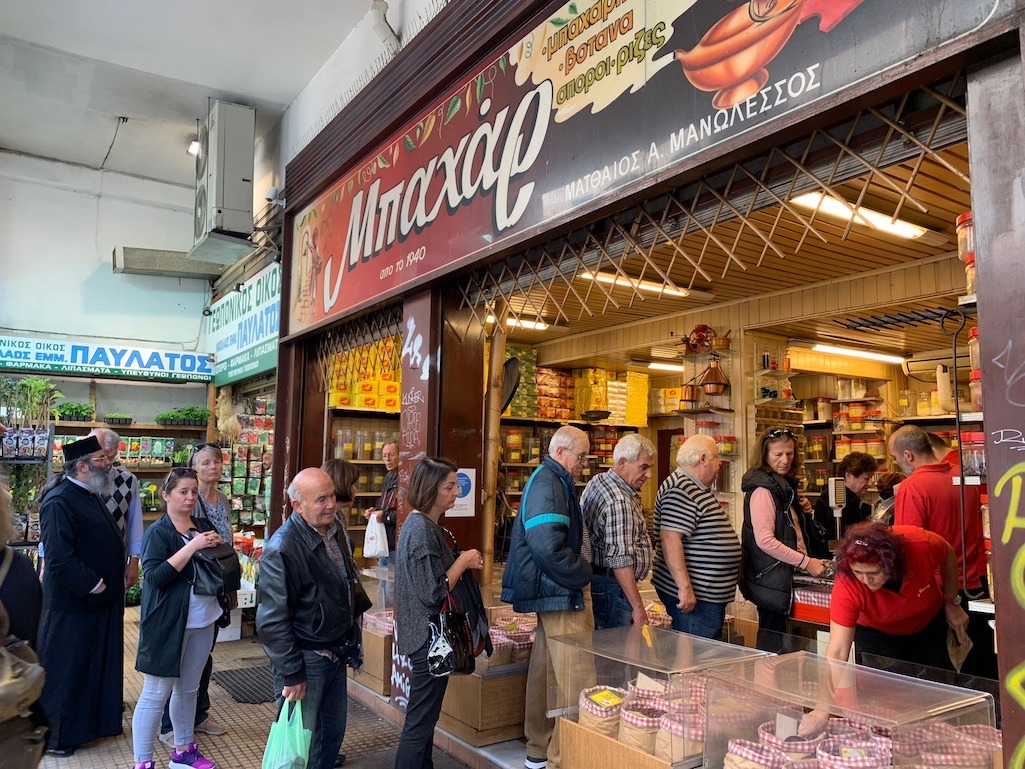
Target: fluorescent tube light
x,y
658,366
622,281
866,216
865,354
531,325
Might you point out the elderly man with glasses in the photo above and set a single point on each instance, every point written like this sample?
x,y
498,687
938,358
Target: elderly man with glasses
x,y
548,572
80,637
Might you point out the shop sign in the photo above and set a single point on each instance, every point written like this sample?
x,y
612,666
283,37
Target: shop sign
x,y
243,328
59,356
600,96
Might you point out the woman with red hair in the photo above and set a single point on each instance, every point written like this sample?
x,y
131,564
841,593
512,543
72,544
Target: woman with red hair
x,y
886,597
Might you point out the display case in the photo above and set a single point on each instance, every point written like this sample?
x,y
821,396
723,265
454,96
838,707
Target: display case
x,y
634,696
378,630
852,716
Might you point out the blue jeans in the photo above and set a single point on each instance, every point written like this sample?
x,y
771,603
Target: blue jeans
x,y
705,621
611,608
385,560
324,707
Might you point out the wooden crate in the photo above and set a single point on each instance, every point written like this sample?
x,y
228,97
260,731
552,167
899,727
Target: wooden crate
x,y
581,747
483,709
376,672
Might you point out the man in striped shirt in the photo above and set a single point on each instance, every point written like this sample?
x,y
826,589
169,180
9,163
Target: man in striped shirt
x,y
620,548
697,553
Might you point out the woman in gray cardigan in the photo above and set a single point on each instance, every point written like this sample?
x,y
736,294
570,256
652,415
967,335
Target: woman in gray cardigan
x,y
176,630
425,570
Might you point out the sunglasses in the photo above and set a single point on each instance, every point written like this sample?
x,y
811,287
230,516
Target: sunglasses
x,y
779,432
176,474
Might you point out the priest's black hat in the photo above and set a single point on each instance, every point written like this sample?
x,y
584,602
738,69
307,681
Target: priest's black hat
x,y
83,447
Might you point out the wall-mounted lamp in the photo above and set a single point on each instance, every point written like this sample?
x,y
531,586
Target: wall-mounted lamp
x,y
207,312
841,209
239,287
193,148
863,354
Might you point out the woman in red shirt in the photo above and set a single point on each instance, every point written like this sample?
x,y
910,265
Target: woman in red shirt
x,y
886,597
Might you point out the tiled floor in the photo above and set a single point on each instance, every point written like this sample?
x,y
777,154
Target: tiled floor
x,y
369,744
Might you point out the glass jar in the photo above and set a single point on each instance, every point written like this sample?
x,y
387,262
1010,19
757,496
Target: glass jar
x,y
706,427
975,387
843,448
532,450
514,445
379,438
808,409
859,445
924,404
817,448
843,420
858,388
348,444
973,348
727,445
363,481
969,273
339,442
876,448
821,478
823,409
843,389
723,481
984,511
857,411
377,479
906,404
358,443
513,480
965,235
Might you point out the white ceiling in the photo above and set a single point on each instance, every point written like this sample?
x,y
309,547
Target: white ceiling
x,y
70,69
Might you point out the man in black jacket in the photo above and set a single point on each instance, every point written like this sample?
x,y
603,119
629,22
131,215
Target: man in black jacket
x,y
304,616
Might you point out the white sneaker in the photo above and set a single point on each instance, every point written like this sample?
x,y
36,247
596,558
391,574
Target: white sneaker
x,y
535,763
168,739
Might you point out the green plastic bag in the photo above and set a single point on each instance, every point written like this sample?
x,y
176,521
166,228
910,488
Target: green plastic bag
x,y
288,744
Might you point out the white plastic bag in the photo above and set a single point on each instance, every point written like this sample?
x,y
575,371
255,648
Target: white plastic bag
x,y
375,541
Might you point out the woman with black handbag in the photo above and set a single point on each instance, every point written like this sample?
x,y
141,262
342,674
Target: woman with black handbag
x,y
176,629
426,570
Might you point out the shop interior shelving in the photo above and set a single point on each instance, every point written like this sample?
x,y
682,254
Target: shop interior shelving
x,y
355,419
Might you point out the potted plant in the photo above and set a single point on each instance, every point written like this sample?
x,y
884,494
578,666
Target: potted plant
x,y
116,418
164,418
75,412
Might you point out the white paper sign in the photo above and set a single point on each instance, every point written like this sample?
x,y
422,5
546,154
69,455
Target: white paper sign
x,y
464,507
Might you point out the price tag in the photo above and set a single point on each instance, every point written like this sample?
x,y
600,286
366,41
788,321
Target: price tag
x,y
605,698
786,726
851,752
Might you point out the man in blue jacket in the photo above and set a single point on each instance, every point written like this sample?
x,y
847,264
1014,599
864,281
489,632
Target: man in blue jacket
x,y
549,572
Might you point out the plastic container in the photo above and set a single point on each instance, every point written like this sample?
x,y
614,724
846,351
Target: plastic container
x,y
873,419
514,445
935,406
857,411
532,450
973,348
823,409
975,387
808,409
843,448
380,436
876,448
906,403
859,445
377,479
858,388
817,449
843,389
723,481
843,419
984,511
969,273
363,482
965,235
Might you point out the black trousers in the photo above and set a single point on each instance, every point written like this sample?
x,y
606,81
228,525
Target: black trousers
x,y
926,647
416,745
772,629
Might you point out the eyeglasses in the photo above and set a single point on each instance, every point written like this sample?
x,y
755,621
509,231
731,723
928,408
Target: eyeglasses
x,y
779,432
580,457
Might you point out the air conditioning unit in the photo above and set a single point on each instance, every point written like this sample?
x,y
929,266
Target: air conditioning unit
x,y
224,185
922,365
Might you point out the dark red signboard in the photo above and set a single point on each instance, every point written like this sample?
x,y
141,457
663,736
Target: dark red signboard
x,y
599,96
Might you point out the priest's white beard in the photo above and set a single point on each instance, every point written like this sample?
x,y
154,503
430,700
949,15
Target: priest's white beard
x,y
99,482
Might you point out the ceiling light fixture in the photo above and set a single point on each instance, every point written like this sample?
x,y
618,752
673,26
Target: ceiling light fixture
x,y
827,204
864,354
193,148
622,281
659,366
530,325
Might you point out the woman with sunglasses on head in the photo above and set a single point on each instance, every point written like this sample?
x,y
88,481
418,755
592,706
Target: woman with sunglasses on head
x,y
774,534
213,506
176,629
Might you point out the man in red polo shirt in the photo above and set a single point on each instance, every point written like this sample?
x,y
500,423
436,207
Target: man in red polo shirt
x,y
929,499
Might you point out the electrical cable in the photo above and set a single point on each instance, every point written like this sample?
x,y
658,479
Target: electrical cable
x,y
120,120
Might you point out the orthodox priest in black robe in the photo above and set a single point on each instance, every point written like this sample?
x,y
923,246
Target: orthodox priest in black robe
x,y
81,642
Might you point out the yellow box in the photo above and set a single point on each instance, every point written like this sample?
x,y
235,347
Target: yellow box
x,y
389,376
367,401
366,387
671,392
388,388
340,399
390,402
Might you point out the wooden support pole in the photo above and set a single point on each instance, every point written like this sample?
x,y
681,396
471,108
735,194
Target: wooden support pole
x,y
492,439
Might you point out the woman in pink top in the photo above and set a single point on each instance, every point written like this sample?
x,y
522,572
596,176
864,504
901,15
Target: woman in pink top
x,y
773,535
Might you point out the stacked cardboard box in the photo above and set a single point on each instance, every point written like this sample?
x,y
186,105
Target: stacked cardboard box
x,y
636,399
616,392
368,376
590,391
554,393
524,403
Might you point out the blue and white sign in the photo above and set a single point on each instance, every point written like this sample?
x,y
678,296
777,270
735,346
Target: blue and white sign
x,y
243,328
464,507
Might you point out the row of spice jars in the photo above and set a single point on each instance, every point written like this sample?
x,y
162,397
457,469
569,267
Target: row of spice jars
x,y
874,446
360,444
855,417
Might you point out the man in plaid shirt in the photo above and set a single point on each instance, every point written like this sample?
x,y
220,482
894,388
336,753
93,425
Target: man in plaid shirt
x,y
621,550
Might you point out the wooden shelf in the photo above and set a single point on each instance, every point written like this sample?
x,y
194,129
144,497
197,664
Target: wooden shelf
x,y
524,464
576,422
24,461
364,412
781,402
368,494
866,399
968,300
856,432
61,426
818,461
818,424
780,374
967,417
724,412
365,461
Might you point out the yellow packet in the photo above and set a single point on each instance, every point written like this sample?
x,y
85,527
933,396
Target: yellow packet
x,y
605,698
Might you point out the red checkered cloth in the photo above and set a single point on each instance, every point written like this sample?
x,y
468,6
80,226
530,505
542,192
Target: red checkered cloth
x,y
829,753
644,714
762,755
985,734
690,725
646,694
811,597
967,753
802,763
807,746
601,711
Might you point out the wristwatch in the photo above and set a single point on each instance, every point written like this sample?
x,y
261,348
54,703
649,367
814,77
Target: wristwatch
x,y
955,601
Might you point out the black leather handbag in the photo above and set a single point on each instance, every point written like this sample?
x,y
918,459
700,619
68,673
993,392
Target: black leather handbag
x,y
451,649
217,570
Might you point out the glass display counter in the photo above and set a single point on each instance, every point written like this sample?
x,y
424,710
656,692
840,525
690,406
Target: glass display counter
x,y
378,630
801,707
634,696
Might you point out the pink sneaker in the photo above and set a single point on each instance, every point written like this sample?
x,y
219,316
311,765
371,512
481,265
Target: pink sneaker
x,y
190,759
